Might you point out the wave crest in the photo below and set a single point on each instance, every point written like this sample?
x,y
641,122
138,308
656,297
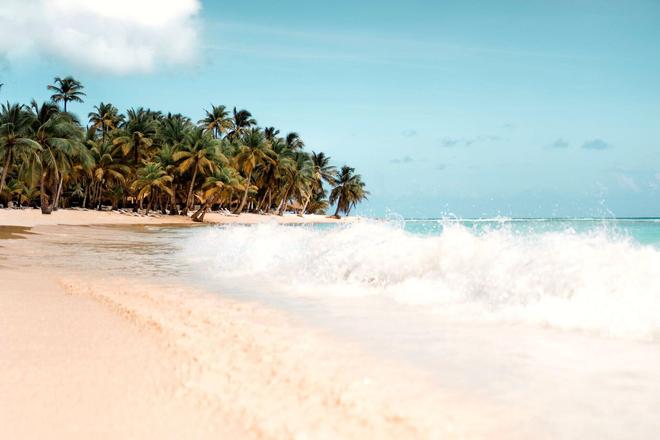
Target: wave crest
x,y
596,281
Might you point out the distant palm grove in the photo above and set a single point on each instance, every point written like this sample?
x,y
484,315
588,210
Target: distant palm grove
x,y
148,160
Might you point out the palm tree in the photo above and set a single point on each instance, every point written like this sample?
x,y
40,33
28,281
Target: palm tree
x,y
137,133
216,186
67,89
224,159
15,130
294,141
150,179
172,130
253,151
271,133
105,118
200,153
349,190
298,179
59,137
106,170
242,120
217,120
322,171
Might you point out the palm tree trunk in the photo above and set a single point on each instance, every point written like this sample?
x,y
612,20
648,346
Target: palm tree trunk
x,y
282,207
45,208
245,195
5,171
84,204
337,211
304,208
59,192
190,191
173,208
198,216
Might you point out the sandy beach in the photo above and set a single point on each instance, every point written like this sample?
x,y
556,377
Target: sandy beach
x,y
34,217
105,356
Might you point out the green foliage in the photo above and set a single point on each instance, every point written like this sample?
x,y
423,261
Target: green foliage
x,y
165,161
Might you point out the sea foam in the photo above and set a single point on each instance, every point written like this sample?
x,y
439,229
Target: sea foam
x,y
595,281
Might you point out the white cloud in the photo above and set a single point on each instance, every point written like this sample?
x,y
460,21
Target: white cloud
x,y
118,36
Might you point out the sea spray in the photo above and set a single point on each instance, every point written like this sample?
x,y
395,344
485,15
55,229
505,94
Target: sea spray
x,y
597,280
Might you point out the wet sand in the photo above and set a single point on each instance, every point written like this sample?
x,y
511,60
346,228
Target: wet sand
x,y
104,355
13,232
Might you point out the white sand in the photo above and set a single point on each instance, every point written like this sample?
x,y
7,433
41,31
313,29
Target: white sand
x,y
34,217
101,356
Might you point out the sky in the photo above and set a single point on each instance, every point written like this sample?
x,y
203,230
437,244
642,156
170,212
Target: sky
x,y
466,108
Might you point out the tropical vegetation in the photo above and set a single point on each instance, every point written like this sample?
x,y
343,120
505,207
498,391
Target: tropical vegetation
x,y
147,160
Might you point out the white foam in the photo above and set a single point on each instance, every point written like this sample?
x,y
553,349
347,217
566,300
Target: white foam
x,y
596,281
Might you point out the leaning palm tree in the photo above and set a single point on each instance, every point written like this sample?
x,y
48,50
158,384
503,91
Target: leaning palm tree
x,y
15,136
217,120
151,178
200,153
105,118
217,186
66,90
349,190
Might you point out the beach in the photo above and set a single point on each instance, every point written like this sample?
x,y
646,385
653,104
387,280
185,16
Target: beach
x,y
120,326
34,217
105,355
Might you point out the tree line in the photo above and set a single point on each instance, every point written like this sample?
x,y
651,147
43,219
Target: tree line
x,y
145,159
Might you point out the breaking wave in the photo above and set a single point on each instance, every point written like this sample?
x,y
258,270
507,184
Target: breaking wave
x,y
597,281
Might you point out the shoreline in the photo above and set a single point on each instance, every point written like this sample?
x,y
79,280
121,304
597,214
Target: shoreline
x,y
104,355
80,217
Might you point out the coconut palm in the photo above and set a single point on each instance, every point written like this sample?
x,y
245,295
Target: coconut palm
x,y
151,178
59,137
217,120
294,141
172,130
105,118
221,184
349,190
107,170
270,175
271,133
322,171
241,121
224,159
298,180
253,151
66,90
15,131
137,133
200,153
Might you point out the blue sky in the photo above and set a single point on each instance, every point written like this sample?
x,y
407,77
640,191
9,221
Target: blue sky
x,y
521,108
